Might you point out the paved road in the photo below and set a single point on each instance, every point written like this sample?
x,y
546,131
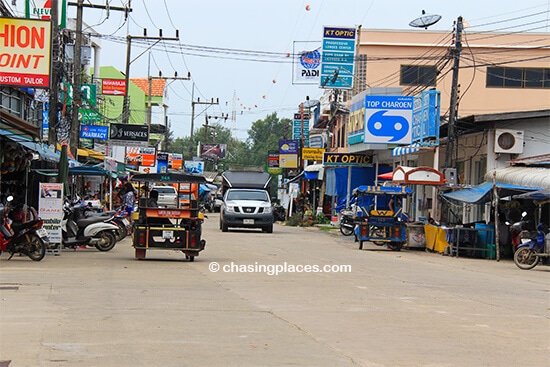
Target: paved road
x,y
409,308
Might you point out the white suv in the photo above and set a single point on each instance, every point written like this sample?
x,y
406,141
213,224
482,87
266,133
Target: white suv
x,y
168,196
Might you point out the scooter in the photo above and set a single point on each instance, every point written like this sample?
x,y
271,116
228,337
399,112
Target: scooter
x,y
347,221
77,230
530,253
28,238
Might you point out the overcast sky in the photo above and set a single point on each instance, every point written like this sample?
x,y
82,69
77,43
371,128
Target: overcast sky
x,y
263,30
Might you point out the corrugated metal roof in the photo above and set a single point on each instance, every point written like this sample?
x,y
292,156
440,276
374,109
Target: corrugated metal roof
x,y
537,160
523,176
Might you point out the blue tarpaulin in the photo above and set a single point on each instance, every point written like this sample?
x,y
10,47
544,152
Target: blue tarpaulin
x,y
481,193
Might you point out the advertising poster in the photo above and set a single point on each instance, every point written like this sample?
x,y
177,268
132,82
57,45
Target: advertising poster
x,y
194,167
50,209
175,160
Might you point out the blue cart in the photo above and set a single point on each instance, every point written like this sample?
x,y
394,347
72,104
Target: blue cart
x,y
384,221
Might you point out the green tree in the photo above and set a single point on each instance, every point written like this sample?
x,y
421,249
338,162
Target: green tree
x,y
264,135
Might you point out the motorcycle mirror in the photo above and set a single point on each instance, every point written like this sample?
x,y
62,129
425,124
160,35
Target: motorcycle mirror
x,y
9,198
523,215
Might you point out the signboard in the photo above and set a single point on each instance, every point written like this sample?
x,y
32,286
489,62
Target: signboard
x,y
113,87
356,131
50,209
338,57
388,119
298,129
426,118
129,135
288,160
194,167
313,154
94,132
213,151
288,153
175,160
307,63
141,156
86,116
346,159
273,163
162,162
25,55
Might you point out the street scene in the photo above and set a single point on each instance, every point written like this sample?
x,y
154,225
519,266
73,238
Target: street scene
x,y
274,183
371,307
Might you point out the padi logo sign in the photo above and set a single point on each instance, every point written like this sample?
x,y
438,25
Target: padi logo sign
x,y
310,61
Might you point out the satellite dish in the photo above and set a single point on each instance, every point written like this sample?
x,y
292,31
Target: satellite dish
x,y
425,20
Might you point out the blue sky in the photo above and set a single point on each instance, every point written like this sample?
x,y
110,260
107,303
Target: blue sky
x,y
263,84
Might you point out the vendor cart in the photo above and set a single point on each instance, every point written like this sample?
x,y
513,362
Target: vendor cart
x,y
177,229
383,221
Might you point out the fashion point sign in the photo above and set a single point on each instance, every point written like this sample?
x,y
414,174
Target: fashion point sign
x,y
25,52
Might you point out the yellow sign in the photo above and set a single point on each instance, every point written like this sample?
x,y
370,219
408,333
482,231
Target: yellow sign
x,y
288,160
313,154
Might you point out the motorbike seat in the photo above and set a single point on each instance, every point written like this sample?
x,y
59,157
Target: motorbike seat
x,y
18,226
87,221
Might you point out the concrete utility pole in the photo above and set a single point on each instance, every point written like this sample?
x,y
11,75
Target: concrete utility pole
x,y
54,82
129,38
452,132
193,103
207,126
149,96
77,69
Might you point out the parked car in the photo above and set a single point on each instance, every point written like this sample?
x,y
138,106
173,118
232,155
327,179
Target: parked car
x,y
168,196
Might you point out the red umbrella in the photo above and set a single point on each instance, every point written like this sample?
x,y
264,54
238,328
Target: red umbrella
x,y
386,176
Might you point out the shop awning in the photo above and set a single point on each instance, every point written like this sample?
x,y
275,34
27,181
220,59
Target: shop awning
x,y
43,151
409,149
482,193
314,172
523,176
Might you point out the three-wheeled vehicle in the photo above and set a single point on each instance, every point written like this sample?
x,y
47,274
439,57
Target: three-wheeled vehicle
x,y
177,229
382,221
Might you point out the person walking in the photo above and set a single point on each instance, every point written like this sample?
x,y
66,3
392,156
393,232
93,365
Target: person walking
x,y
129,199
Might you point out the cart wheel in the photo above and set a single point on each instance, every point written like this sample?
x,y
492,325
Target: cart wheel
x,y
140,253
360,244
395,246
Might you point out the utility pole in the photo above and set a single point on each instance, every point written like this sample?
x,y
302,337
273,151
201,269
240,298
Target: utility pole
x,y
452,135
193,103
54,82
77,69
207,126
149,96
129,38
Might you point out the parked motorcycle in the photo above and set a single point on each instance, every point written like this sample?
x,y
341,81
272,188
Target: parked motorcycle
x,y
78,230
279,213
25,238
530,253
347,221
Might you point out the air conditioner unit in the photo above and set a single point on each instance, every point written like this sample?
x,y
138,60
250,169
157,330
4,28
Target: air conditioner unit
x,y
508,141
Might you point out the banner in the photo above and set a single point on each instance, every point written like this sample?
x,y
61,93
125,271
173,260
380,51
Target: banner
x,y
50,209
213,151
129,135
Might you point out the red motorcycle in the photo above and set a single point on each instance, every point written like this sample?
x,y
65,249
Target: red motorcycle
x,y
27,238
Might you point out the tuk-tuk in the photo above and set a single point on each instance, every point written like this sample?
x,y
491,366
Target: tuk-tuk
x,y
382,219
177,229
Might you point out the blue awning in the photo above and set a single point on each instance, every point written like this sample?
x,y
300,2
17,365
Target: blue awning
x,y
482,193
405,150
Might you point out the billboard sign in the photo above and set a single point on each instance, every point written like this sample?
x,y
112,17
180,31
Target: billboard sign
x,y
338,57
307,63
94,132
175,160
25,55
129,135
141,156
213,151
426,118
113,87
388,119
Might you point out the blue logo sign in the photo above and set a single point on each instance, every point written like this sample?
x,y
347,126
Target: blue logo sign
x,y
394,127
388,119
311,59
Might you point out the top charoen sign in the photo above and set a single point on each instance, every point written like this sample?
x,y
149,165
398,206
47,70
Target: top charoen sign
x,y
25,55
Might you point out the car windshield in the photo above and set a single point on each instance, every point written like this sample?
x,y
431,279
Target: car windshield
x,y
247,195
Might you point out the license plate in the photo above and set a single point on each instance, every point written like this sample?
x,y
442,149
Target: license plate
x,y
168,234
125,221
248,221
41,232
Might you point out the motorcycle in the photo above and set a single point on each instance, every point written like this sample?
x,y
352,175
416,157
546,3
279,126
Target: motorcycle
x,y
78,230
279,213
347,221
530,253
26,238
